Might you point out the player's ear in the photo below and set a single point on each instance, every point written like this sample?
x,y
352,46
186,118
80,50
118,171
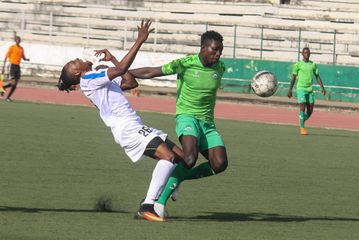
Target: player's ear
x,y
78,74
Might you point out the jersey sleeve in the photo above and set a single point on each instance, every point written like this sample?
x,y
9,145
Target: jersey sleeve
x,y
175,66
295,69
9,52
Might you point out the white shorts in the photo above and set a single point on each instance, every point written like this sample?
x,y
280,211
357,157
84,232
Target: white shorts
x,y
135,137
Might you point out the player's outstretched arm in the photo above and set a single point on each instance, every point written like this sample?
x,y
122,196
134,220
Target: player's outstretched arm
x,y
147,72
122,66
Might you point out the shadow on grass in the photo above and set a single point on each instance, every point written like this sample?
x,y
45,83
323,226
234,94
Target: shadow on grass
x,y
39,210
330,135
258,217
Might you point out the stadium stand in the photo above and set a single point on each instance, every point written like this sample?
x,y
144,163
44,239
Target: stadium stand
x,y
256,29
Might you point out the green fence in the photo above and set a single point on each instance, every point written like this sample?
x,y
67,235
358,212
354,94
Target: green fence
x,y
341,82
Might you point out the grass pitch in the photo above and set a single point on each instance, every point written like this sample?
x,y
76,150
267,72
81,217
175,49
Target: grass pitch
x,y
57,161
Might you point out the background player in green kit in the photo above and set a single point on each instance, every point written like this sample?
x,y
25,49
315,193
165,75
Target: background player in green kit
x,y
304,70
198,79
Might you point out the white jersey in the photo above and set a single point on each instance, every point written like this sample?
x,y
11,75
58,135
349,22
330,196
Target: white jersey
x,y
108,97
117,113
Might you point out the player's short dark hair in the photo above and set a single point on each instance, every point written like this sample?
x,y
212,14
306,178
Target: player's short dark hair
x,y
211,35
306,48
66,80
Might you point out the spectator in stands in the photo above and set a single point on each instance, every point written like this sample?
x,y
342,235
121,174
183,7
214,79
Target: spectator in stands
x,y
14,54
284,1
304,71
199,77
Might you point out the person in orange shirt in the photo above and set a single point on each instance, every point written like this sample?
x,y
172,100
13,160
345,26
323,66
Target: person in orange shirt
x,y
14,54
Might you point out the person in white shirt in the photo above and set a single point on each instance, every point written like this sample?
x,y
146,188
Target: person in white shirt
x,y
104,87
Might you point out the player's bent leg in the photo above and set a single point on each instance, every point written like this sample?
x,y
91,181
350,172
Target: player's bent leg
x,y
178,153
12,90
217,163
218,159
190,150
156,149
178,175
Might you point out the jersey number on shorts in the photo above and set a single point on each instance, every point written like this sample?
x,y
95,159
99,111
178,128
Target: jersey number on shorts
x,y
145,131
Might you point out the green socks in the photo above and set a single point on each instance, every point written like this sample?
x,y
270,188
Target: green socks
x,y
201,171
302,118
178,175
181,173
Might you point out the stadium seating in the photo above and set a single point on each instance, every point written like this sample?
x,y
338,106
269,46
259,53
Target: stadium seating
x,y
251,29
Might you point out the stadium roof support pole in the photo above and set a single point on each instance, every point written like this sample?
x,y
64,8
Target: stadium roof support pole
x,y
299,40
22,22
125,37
50,26
206,26
261,53
88,31
234,40
155,40
334,46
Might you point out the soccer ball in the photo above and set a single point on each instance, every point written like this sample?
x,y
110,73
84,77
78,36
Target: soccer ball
x,y
264,84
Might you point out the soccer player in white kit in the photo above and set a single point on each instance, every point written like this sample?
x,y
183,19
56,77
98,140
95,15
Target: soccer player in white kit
x,y
104,87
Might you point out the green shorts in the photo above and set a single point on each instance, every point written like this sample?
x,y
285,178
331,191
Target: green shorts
x,y
305,97
206,133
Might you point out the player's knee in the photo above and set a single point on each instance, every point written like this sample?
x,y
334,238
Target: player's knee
x,y
219,166
170,156
189,161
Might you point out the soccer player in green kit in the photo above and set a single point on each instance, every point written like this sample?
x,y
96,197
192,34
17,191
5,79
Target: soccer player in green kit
x,y
198,79
304,70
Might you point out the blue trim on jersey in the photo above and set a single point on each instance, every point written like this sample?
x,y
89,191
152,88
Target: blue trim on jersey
x,y
94,75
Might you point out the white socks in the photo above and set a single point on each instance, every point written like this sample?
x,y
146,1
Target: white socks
x,y
160,209
159,179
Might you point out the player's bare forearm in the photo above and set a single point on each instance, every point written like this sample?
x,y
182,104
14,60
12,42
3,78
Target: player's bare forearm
x,y
128,81
24,58
320,82
292,81
147,72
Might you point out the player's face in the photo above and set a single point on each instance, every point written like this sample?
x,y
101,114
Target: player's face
x,y
17,40
211,51
80,65
77,67
306,54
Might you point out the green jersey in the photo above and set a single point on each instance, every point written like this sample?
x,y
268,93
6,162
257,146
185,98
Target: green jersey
x,y
305,72
196,86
